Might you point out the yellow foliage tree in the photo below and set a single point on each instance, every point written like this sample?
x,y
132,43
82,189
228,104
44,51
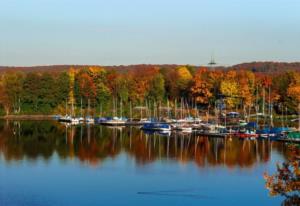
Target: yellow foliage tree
x,y
294,88
184,78
71,98
230,90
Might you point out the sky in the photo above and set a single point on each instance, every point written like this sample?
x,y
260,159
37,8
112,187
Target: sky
x,y
115,32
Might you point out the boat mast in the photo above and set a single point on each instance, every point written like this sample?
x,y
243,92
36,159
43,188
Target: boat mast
x,y
175,109
225,120
282,124
100,109
72,109
188,109
168,108
263,107
270,108
130,110
81,106
181,112
88,107
299,116
249,111
114,112
159,107
286,115
256,106
121,108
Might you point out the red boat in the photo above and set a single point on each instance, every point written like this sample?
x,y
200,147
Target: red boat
x,y
246,135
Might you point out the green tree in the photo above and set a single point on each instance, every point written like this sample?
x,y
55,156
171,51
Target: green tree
x,y
13,85
157,88
31,92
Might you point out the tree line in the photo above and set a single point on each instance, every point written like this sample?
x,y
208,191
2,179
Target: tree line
x,y
102,89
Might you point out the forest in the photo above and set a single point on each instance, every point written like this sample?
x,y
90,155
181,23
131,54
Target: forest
x,y
103,89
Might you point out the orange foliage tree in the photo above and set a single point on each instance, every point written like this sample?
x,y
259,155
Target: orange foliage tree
x,y
202,86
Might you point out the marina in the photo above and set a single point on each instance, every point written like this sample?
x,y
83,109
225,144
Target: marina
x,y
225,124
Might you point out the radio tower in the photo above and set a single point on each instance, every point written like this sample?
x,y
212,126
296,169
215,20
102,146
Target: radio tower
x,y
212,62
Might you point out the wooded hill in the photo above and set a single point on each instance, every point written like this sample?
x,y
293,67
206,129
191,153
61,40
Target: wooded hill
x,y
263,67
50,89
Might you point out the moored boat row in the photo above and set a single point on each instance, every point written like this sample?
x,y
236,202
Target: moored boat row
x,y
219,128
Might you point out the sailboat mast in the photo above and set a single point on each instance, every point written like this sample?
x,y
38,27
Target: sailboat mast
x,y
114,114
168,108
81,107
299,116
72,109
130,109
264,99
256,106
270,108
181,112
88,107
175,111
121,108
100,109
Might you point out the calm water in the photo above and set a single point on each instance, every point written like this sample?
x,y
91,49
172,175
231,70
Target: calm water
x,y
47,163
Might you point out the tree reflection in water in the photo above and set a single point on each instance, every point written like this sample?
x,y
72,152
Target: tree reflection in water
x,y
286,181
93,144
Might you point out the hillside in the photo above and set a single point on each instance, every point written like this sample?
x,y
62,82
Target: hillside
x,y
273,67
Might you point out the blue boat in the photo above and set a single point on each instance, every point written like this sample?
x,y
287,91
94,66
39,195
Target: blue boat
x,y
275,132
251,125
160,133
265,132
156,126
99,120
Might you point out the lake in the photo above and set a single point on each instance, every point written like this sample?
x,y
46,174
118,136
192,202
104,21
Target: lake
x,y
48,163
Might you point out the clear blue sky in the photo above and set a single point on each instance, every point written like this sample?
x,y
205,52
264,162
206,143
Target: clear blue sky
x,y
113,32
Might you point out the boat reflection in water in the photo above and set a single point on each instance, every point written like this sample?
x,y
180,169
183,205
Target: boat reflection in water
x,y
150,162
92,144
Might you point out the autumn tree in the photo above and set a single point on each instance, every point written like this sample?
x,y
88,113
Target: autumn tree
x,y
202,89
184,80
4,99
85,86
157,88
13,85
246,80
140,81
230,89
293,90
286,180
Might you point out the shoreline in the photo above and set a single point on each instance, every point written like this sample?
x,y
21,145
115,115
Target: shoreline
x,y
51,117
27,117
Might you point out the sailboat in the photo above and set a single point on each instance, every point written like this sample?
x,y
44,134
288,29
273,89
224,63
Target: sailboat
x,y
156,126
136,121
115,121
295,135
69,118
183,127
81,119
89,119
100,119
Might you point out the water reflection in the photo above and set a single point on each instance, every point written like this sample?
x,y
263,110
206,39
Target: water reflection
x,y
93,144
